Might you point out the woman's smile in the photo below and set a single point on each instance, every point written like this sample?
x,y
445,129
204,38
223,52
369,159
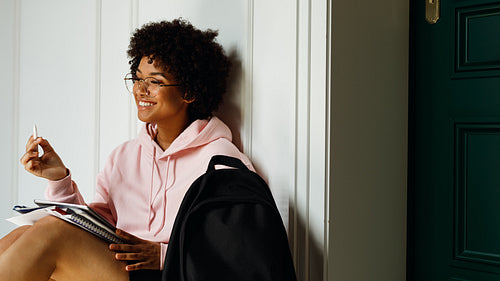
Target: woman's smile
x,y
145,104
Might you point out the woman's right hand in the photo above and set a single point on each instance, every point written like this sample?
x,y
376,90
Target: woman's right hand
x,y
49,166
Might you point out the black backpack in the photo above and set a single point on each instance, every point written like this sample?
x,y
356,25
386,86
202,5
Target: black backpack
x,y
228,228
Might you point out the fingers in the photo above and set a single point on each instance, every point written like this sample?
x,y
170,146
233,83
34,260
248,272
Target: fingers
x,y
131,256
48,165
139,266
30,159
145,253
31,150
123,248
32,164
47,148
134,252
32,143
127,236
145,257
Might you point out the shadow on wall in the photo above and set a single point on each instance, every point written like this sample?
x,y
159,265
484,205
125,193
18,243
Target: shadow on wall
x,y
230,110
307,254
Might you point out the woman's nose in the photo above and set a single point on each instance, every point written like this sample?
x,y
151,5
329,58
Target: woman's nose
x,y
142,89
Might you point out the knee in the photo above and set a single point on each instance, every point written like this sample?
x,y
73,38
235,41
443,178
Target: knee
x,y
48,221
18,232
12,237
50,228
22,229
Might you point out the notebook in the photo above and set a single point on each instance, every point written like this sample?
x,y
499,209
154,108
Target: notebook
x,y
80,215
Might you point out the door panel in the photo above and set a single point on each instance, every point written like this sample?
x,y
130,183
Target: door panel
x,y
456,176
477,182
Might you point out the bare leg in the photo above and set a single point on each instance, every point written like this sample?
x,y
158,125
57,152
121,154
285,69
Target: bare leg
x,y
10,238
52,248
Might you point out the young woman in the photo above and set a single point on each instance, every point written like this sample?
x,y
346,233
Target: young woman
x,y
178,75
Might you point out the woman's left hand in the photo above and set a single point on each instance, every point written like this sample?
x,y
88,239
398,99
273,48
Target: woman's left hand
x,y
145,253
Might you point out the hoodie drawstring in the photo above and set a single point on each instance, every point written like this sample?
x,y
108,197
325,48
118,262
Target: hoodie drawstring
x,y
164,186
163,189
151,187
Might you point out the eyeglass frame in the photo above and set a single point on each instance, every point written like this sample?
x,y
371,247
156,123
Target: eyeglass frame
x,y
145,85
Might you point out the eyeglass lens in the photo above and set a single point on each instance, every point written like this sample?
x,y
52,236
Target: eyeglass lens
x,y
148,85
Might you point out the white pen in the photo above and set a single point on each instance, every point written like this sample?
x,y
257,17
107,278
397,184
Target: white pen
x,y
35,135
35,132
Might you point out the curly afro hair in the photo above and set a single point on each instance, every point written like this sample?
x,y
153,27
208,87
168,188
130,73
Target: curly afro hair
x,y
192,56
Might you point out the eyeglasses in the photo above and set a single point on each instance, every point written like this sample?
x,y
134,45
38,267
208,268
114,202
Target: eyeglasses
x,y
150,85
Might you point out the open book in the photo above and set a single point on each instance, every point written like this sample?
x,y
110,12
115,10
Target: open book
x,y
80,215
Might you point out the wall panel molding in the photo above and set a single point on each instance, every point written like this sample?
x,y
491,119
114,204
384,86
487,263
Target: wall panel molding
x,y
9,108
15,102
247,85
98,91
312,110
134,124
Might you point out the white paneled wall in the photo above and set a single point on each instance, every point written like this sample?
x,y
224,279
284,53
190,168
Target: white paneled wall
x,y
63,67
58,86
9,100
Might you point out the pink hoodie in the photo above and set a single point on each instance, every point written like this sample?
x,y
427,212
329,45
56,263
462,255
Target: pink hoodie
x,y
142,186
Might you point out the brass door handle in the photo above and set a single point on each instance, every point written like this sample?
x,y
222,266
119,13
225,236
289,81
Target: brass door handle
x,y
432,11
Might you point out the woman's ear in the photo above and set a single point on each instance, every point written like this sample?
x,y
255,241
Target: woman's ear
x,y
188,98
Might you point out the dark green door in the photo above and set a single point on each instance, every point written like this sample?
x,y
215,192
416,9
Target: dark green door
x,y
454,177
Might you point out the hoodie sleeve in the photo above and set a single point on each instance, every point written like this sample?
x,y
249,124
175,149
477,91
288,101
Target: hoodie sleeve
x,y
101,202
64,190
101,199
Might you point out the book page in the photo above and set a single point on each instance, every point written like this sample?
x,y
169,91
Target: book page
x,y
30,218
